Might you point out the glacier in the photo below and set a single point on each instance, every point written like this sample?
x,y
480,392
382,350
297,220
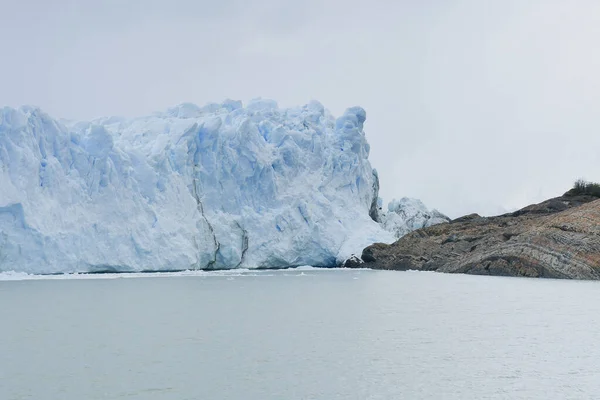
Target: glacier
x,y
216,187
408,214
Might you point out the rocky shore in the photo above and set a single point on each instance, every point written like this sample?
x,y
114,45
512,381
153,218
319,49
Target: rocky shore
x,y
559,238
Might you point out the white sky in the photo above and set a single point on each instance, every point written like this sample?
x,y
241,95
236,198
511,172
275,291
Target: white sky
x,y
472,105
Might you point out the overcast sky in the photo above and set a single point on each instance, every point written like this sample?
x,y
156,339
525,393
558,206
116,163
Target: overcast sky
x,y
472,105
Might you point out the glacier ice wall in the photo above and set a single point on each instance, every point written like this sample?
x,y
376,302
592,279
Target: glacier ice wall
x,y
220,186
407,214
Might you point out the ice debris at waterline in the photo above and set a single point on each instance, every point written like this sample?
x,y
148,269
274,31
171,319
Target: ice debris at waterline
x,y
214,187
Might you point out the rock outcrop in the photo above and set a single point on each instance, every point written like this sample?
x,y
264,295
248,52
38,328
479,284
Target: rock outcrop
x,y
559,238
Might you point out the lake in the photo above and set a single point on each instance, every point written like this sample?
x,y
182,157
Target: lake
x,y
298,334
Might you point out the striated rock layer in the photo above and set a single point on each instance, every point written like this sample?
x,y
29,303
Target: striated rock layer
x,y
559,238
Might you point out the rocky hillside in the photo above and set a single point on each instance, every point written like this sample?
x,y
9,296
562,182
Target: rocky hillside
x,y
559,238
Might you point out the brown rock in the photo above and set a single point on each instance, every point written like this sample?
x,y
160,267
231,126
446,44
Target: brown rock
x,y
559,238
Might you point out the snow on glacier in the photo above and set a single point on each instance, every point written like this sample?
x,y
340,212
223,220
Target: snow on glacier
x,y
219,186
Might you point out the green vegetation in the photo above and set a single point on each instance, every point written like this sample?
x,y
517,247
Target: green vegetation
x,y
583,187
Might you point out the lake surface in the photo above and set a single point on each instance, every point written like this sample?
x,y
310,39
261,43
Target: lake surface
x,y
298,334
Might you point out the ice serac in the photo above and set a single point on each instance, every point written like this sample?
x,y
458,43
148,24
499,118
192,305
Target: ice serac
x,y
406,215
219,186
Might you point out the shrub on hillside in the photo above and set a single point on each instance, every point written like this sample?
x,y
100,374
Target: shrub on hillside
x,y
583,187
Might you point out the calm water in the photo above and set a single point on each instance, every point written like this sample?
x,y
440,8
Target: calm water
x,y
312,334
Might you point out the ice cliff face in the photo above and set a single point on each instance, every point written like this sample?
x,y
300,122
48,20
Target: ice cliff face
x,y
222,186
406,215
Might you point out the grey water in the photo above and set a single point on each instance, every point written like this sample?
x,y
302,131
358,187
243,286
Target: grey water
x,y
310,334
